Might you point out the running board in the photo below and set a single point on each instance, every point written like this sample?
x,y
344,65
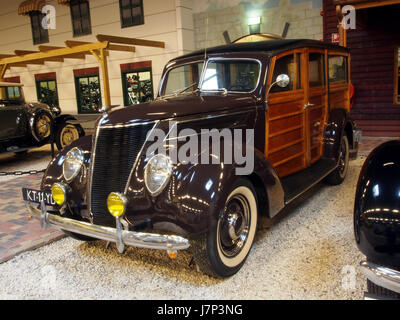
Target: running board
x,y
298,183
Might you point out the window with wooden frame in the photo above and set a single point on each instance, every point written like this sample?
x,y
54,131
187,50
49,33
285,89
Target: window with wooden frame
x,y
338,68
289,65
396,95
40,35
47,92
316,69
80,15
88,93
131,13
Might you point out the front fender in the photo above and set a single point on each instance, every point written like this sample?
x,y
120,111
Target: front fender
x,y
54,171
377,205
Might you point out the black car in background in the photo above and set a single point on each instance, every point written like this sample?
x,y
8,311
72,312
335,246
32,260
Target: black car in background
x,y
377,220
28,125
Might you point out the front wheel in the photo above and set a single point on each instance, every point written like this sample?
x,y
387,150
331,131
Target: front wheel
x,y
338,176
66,134
223,250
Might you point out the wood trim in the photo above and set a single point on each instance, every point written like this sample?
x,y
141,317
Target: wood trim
x,y
130,41
396,75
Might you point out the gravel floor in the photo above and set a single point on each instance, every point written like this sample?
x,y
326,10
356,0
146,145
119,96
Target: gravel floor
x,y
36,159
307,252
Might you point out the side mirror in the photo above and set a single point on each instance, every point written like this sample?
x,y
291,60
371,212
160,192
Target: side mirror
x,y
282,80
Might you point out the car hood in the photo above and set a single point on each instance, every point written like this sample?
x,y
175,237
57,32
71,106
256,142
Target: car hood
x,y
183,105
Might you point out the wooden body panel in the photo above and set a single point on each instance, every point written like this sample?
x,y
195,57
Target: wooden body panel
x,y
296,120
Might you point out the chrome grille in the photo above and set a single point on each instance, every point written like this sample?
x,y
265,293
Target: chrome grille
x,y
115,153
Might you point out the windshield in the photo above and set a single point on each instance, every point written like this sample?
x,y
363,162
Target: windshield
x,y
10,94
183,78
231,75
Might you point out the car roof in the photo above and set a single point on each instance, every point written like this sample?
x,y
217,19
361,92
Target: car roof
x,y
10,84
271,47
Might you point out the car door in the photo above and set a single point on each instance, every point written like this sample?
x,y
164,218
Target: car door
x,y
286,143
316,107
10,114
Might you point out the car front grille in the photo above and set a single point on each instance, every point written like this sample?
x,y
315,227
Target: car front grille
x,y
115,153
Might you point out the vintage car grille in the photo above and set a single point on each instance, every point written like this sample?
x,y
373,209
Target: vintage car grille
x,y
115,154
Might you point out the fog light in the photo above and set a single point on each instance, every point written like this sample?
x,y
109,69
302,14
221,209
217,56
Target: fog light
x,y
59,193
116,204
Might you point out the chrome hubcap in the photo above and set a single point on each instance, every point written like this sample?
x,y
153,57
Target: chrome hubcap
x,y
234,226
43,126
68,135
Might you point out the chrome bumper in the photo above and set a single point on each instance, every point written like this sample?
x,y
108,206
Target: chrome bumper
x,y
382,276
118,235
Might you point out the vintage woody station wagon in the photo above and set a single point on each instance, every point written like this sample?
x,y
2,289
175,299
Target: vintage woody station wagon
x,y
294,94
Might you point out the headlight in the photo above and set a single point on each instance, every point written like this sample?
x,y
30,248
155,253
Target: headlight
x,y
73,163
116,204
59,193
157,174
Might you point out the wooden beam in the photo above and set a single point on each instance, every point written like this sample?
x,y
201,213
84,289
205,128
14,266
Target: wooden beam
x,y
55,53
81,56
112,47
73,43
48,48
24,52
372,4
2,56
106,80
3,69
131,41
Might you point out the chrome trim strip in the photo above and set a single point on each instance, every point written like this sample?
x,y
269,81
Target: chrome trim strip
x,y
125,125
130,238
92,158
382,276
138,156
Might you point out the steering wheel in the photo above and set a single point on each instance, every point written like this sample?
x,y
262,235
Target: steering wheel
x,y
237,87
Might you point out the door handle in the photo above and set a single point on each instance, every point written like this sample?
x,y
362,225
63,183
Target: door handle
x,y
308,105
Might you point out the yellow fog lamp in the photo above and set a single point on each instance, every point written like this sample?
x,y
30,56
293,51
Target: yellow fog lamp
x,y
116,204
59,193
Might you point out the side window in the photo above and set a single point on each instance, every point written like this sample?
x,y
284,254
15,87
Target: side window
x,y
39,34
289,65
316,69
80,15
337,68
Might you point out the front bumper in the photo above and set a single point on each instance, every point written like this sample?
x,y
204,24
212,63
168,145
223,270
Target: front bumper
x,y
118,235
382,276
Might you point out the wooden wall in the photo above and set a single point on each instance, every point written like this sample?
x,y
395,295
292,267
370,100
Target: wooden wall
x,y
372,45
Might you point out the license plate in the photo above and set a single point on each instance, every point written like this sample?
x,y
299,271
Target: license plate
x,y
37,196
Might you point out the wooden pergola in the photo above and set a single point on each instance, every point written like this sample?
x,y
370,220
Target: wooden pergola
x,y
77,50
358,5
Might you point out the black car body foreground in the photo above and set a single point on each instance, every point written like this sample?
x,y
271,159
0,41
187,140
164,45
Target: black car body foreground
x,y
377,219
111,187
28,125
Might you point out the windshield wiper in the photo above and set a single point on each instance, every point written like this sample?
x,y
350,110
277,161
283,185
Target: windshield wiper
x,y
184,89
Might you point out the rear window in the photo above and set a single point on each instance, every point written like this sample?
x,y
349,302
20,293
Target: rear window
x,y
337,68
